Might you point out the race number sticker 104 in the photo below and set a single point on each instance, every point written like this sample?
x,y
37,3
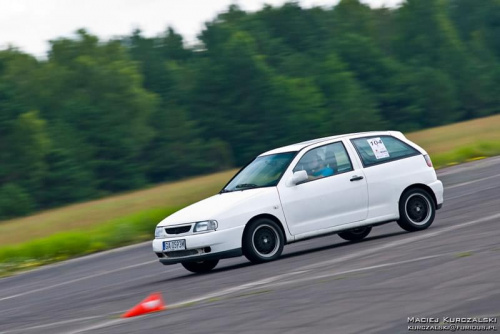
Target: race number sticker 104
x,y
378,148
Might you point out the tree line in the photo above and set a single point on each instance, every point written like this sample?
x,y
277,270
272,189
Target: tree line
x,y
99,117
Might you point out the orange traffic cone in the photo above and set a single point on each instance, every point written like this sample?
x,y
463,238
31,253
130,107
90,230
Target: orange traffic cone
x,y
153,303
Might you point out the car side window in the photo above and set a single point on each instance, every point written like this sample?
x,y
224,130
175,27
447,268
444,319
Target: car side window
x,y
325,161
380,149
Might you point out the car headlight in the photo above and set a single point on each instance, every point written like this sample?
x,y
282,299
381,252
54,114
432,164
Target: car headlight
x,y
160,232
205,226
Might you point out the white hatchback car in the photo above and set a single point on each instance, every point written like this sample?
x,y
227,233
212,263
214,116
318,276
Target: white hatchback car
x,y
341,185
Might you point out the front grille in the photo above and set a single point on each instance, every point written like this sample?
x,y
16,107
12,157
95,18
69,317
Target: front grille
x,y
182,253
178,230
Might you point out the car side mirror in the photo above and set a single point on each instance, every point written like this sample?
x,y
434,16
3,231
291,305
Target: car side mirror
x,y
298,177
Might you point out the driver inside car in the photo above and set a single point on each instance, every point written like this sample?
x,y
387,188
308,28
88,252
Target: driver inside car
x,y
316,168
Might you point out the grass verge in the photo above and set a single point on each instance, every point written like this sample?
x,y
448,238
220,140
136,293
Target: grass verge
x,y
471,152
460,142
64,245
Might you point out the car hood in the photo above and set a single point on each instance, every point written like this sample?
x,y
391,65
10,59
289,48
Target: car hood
x,y
214,207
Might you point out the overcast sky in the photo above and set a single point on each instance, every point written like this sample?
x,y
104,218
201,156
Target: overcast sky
x,y
30,24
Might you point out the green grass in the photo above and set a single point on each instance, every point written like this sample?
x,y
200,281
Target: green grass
x,y
85,228
476,151
460,142
464,254
64,245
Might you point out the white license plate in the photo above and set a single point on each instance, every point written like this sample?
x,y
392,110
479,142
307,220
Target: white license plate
x,y
174,245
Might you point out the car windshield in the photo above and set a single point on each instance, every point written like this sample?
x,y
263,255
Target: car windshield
x,y
264,171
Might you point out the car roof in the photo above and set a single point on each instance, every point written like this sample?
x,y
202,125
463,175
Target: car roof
x,y
299,146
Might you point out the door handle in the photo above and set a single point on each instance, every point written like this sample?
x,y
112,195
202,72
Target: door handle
x,y
356,178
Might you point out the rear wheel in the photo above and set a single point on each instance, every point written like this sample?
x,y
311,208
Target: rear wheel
x,y
200,266
416,210
263,241
356,234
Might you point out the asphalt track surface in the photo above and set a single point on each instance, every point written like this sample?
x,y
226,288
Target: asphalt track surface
x,y
323,285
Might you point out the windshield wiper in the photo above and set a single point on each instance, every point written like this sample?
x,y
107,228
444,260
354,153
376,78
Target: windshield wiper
x,y
242,186
246,185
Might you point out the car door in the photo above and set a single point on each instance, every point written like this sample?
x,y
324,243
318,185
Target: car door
x,y
335,196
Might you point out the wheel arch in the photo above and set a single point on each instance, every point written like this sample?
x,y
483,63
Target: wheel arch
x,y
423,187
271,217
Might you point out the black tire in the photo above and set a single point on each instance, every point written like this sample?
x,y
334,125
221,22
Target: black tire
x,y
416,210
263,241
200,266
356,234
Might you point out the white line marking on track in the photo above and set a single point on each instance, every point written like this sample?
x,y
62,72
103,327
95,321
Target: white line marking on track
x,y
332,274
22,330
470,193
78,259
101,325
239,288
278,279
471,182
82,279
403,241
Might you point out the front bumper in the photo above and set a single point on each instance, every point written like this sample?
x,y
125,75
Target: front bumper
x,y
204,246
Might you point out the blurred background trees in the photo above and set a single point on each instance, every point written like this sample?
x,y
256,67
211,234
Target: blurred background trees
x,y
98,117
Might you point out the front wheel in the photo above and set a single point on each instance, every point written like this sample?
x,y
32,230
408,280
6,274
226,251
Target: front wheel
x,y
263,241
416,210
356,234
200,266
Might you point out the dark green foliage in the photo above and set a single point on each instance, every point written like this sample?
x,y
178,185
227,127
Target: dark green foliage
x,y
101,117
14,201
67,179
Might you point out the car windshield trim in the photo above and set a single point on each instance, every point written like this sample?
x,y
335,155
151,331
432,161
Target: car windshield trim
x,y
223,191
291,155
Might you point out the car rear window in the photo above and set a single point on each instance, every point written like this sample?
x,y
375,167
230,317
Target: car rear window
x,y
379,149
